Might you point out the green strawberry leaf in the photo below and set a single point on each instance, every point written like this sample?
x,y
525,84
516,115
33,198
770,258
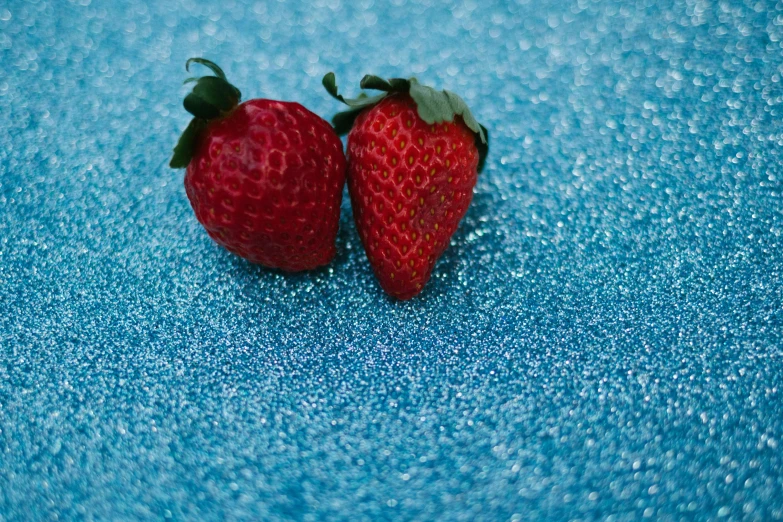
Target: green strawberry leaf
x,y
212,97
442,106
218,92
483,148
379,84
343,121
359,102
329,82
200,108
432,106
186,145
376,83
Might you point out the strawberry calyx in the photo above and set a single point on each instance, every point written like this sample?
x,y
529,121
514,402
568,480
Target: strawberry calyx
x,y
212,97
432,106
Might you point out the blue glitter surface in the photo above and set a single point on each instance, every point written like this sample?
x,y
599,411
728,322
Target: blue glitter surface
x,y
602,340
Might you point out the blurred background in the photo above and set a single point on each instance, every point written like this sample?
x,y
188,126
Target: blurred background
x,y
602,340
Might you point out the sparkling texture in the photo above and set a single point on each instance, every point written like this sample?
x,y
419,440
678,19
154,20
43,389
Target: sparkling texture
x,y
602,339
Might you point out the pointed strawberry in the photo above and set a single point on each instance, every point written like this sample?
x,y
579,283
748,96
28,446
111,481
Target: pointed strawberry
x,y
264,177
413,159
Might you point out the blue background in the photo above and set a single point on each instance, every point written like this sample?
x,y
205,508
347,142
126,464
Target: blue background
x,y
601,340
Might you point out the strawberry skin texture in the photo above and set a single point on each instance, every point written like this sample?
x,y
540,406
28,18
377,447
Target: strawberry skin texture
x,y
266,183
410,184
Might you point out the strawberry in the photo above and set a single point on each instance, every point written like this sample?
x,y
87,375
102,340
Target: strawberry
x,y
413,159
264,177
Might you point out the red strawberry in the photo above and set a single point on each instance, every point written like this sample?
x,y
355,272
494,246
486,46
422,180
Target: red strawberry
x,y
413,159
264,177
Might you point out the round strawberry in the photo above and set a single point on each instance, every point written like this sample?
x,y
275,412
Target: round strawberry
x,y
413,159
264,177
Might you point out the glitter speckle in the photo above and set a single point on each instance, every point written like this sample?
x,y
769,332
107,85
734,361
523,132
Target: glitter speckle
x,y
601,340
